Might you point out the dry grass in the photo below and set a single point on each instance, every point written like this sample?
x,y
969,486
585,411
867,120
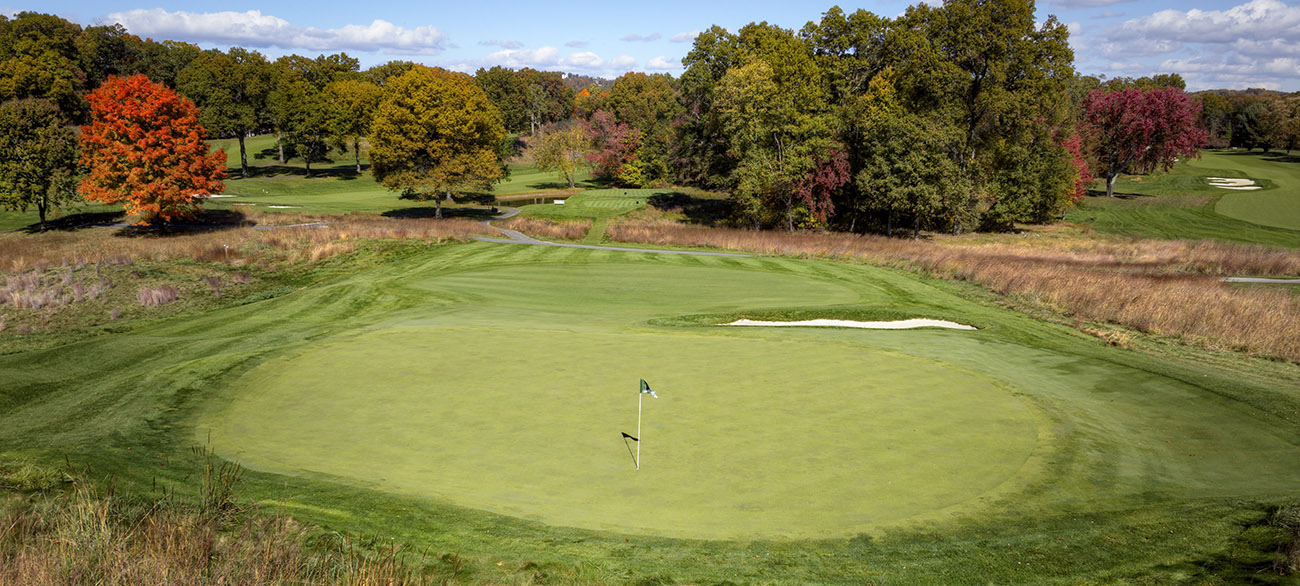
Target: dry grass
x,y
235,246
56,280
557,229
89,537
1162,287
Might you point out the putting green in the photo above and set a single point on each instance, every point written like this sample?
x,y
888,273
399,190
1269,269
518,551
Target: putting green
x,y
512,399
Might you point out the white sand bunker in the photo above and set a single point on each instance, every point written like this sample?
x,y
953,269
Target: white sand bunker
x,y
905,324
1233,183
284,207
201,196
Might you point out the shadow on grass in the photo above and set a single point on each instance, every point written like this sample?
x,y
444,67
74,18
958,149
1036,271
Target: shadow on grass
x,y
73,222
1276,157
698,210
1101,193
204,220
430,212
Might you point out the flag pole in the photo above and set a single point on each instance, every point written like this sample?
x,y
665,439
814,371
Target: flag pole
x,y
639,396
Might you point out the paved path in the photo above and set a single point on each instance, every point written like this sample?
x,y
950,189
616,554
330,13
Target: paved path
x,y
516,237
1262,280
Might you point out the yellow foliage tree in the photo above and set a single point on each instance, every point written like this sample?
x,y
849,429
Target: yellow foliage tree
x,y
435,131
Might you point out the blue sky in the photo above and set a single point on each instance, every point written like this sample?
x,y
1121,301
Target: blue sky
x,y
1213,44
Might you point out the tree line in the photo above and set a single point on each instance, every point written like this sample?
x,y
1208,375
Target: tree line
x,y
965,116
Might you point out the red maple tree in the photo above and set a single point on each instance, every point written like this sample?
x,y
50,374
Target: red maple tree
x,y
145,148
613,143
815,189
1145,127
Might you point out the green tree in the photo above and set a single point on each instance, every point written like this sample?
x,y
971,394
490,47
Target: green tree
x,y
39,59
650,104
109,50
231,90
163,62
907,175
38,157
298,111
506,91
352,105
777,133
563,151
435,131
380,74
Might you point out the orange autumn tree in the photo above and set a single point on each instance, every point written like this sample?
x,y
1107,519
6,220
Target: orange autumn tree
x,y
144,148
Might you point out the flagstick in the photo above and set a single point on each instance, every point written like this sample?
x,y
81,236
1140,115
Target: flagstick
x,y
639,396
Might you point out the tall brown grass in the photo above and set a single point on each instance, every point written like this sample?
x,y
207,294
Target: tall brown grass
x,y
557,229
236,246
95,537
1163,287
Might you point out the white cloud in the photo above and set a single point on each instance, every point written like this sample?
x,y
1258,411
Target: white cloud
x,y
622,63
636,38
254,29
576,44
662,63
1108,14
584,60
685,37
502,44
539,58
1253,44
1255,20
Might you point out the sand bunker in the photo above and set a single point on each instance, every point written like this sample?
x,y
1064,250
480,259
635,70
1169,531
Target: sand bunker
x,y
1233,183
905,324
284,207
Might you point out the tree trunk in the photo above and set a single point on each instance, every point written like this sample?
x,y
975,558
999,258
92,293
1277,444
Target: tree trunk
x,y
279,144
1110,185
356,150
437,210
243,156
889,223
41,207
307,161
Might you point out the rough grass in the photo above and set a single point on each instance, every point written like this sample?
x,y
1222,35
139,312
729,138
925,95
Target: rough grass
x,y
298,237
89,534
573,229
1163,287
66,279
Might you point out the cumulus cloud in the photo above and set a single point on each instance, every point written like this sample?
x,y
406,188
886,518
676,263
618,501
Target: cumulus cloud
x,y
254,29
1253,44
549,58
577,44
541,57
662,63
1255,19
685,37
502,44
636,38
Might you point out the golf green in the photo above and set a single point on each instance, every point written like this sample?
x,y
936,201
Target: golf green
x,y
514,401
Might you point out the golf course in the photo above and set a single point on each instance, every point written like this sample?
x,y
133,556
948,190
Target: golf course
x,y
471,398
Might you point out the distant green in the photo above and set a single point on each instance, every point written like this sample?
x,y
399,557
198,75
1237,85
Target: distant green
x,y
1181,204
